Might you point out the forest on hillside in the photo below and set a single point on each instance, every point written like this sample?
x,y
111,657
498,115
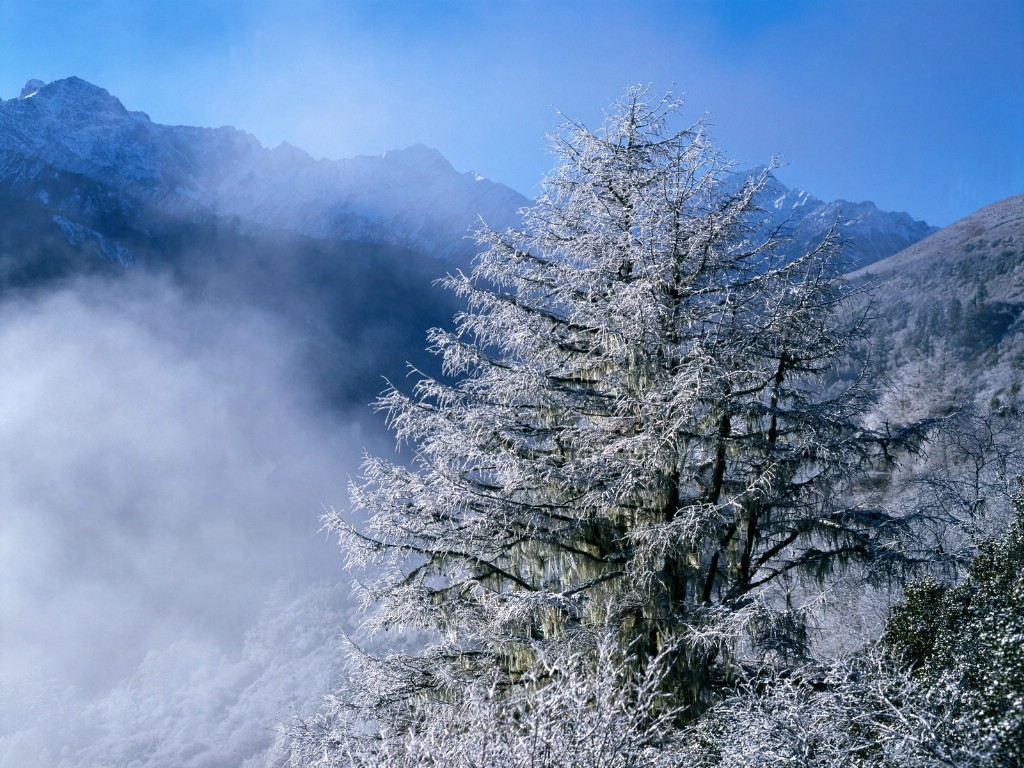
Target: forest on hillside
x,y
666,504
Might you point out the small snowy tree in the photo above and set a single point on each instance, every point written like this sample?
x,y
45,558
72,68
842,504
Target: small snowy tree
x,y
639,431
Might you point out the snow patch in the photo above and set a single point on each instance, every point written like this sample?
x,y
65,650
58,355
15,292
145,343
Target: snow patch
x,y
31,88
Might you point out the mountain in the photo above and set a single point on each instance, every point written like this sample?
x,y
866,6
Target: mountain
x,y
982,252
870,234
80,167
411,198
347,249
951,310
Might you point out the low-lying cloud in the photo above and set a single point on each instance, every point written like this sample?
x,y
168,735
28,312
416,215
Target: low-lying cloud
x,y
164,463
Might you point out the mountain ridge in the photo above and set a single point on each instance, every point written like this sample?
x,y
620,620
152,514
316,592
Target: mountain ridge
x,y
411,198
870,233
990,237
950,312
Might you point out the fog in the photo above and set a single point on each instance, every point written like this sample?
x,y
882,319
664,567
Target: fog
x,y
165,596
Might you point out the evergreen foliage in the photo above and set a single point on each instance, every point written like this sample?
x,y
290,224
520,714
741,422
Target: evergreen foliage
x,y
944,688
972,635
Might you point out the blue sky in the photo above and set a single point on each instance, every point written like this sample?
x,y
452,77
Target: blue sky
x,y
917,105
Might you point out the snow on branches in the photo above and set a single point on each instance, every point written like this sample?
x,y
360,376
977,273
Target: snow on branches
x,y
639,434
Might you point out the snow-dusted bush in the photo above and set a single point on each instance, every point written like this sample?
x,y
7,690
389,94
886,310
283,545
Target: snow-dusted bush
x,y
860,712
573,710
944,687
966,642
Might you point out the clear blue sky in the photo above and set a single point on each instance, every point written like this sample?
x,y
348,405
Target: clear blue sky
x,y
917,105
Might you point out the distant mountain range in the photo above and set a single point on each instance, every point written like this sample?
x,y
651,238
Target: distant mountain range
x,y
870,234
110,183
411,198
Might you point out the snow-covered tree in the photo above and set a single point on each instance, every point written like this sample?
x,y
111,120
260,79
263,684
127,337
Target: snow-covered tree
x,y
640,432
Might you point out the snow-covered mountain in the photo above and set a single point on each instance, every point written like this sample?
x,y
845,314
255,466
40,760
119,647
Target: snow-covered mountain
x,y
950,312
983,249
102,172
411,198
870,234
963,286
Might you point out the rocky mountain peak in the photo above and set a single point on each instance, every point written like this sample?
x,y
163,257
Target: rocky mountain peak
x,y
72,94
31,89
870,233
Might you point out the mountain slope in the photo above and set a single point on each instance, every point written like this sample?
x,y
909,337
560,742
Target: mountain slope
x,y
983,249
951,309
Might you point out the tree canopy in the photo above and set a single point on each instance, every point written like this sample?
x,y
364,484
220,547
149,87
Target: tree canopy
x,y
640,434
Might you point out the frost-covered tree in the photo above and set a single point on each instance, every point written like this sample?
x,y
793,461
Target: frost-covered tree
x,y
639,431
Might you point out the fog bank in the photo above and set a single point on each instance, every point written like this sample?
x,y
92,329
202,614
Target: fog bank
x,y
165,461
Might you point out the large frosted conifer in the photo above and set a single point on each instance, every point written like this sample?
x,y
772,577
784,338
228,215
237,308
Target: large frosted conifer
x,y
633,435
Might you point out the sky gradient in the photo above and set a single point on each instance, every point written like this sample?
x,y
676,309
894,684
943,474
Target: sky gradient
x,y
917,105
